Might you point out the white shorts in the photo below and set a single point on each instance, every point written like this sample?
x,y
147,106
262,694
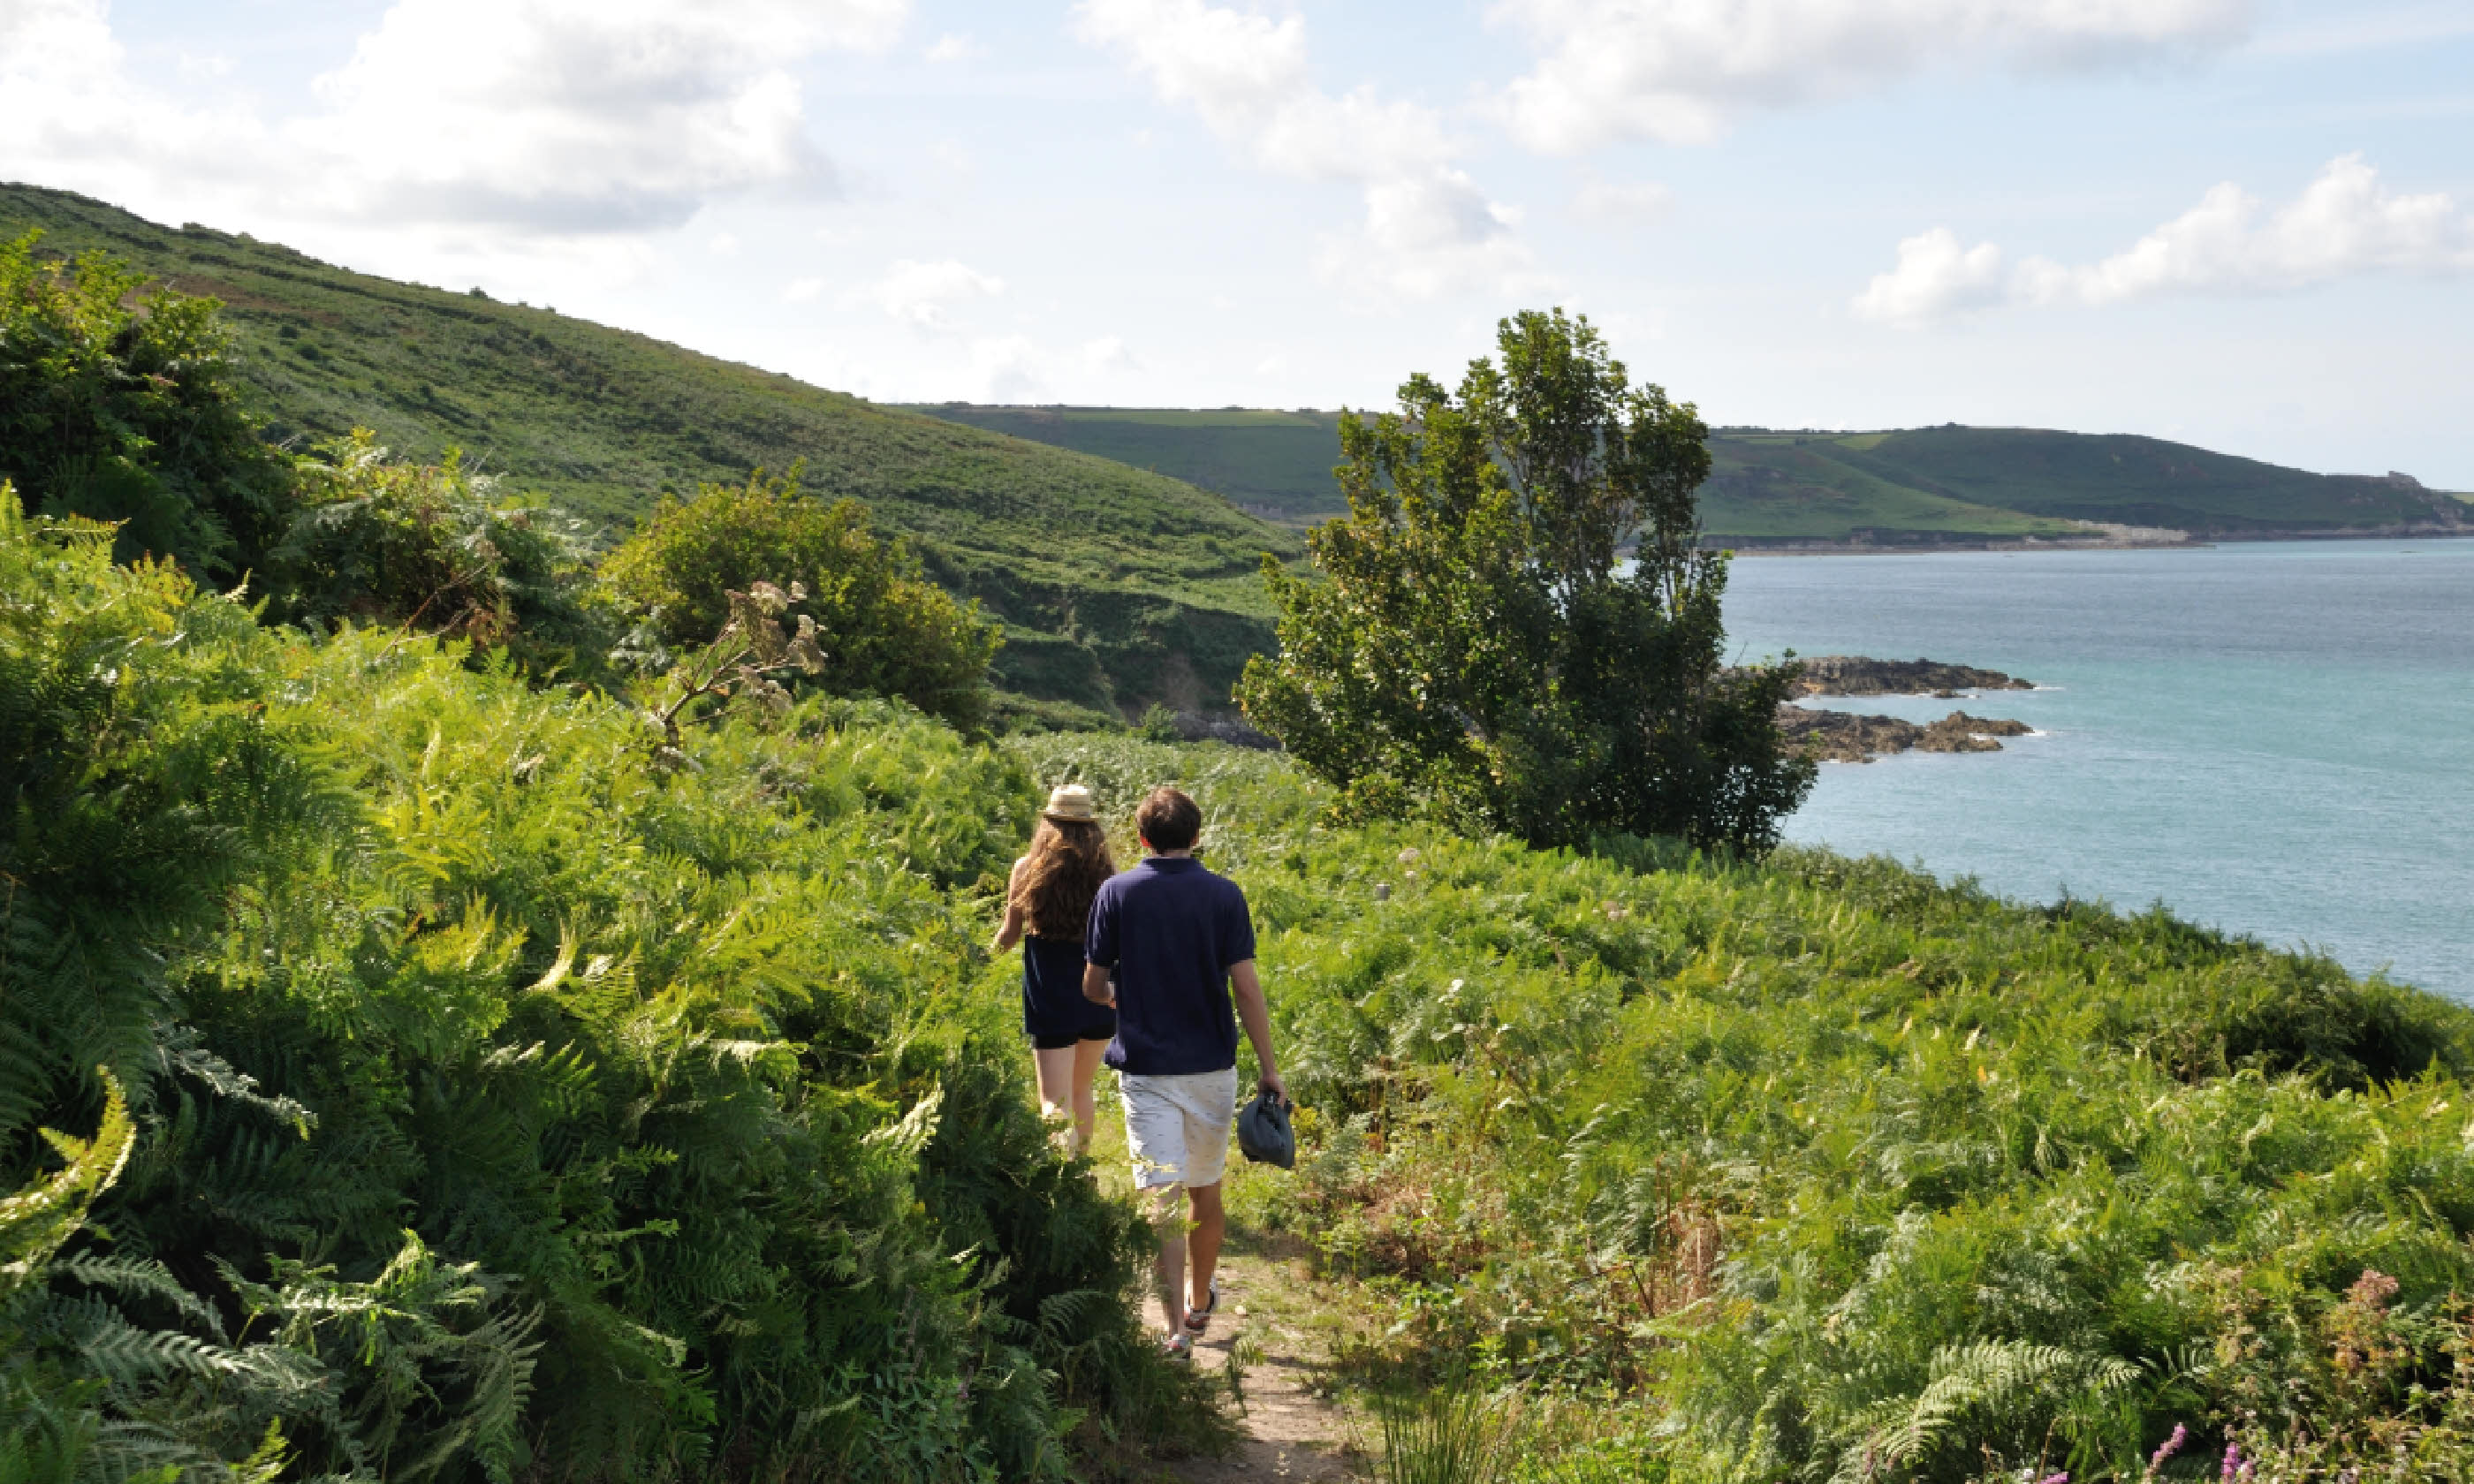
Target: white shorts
x,y
1176,1127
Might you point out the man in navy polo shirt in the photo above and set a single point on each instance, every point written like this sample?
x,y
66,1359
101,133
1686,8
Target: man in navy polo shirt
x,y
1178,939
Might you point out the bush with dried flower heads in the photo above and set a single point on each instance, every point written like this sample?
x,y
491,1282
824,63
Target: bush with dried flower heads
x,y
885,629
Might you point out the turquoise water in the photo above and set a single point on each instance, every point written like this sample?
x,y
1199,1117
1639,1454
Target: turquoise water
x,y
2274,739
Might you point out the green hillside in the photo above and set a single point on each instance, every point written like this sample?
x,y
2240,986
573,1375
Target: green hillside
x,y
1273,464
1117,587
1783,486
2140,481
1923,486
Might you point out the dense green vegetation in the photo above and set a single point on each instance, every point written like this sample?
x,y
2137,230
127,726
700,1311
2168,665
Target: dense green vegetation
x,y
1814,1169
1119,587
509,1100
1472,651
115,408
509,1103
1921,485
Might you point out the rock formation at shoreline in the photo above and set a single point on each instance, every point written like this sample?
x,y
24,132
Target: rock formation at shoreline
x,y
1844,737
1855,675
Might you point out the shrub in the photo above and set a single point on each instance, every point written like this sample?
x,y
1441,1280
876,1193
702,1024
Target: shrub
x,y
124,411
886,630
1476,654
432,548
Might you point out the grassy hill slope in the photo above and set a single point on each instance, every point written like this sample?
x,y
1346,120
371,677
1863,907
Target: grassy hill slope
x,y
1273,464
1117,587
1923,486
1766,486
2139,480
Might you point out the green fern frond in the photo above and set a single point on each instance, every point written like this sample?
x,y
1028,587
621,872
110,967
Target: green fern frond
x,y
35,1221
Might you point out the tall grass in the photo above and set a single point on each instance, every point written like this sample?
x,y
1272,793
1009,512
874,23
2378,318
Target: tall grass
x,y
1451,1434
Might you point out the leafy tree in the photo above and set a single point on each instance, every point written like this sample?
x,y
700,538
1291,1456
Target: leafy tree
x,y
122,409
1478,651
433,547
883,627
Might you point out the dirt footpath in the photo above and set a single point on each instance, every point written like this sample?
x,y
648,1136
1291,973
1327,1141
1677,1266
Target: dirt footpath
x,y
1291,1435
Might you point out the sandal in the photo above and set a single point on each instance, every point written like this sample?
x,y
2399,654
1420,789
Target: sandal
x,y
1197,1321
1180,1348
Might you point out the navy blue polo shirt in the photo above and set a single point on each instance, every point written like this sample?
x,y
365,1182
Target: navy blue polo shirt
x,y
1171,929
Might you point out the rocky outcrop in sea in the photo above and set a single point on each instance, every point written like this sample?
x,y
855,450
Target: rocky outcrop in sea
x,y
1855,675
1845,737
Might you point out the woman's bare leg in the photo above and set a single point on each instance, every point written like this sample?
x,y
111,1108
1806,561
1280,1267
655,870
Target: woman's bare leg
x,y
1057,1083
1087,1070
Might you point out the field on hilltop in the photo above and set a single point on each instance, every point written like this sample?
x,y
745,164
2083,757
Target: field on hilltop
x,y
2033,481
1117,587
1947,485
1273,464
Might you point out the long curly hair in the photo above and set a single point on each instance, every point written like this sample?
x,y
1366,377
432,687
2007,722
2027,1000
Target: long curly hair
x,y
1060,875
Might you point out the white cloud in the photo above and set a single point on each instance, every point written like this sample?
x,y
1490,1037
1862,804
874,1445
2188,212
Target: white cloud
x,y
75,118
924,294
1428,235
1681,70
723,244
2345,222
1936,277
1006,369
2362,27
579,115
1427,227
1107,355
800,291
955,46
207,65
1611,202
468,126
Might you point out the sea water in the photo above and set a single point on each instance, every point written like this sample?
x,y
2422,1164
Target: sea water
x,y
2272,738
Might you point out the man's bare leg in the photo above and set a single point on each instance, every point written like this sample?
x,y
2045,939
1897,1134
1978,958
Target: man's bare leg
x,y
1202,1243
1168,1268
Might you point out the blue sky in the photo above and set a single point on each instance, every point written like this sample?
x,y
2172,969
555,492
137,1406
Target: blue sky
x,y
2247,224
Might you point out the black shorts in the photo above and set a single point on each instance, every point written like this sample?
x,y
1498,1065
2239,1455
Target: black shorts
x,y
1054,1015
1040,1043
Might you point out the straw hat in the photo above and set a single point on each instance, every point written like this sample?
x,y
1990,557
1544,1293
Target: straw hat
x,y
1069,804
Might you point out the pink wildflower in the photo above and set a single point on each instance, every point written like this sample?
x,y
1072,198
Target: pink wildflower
x,y
2168,1449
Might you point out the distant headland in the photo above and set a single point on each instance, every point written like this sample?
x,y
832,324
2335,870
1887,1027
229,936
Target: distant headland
x,y
1774,491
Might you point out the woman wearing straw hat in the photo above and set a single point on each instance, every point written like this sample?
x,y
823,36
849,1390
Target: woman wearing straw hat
x,y
1049,895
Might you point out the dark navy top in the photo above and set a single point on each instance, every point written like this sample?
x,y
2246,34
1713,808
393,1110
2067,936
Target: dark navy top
x,y
1171,929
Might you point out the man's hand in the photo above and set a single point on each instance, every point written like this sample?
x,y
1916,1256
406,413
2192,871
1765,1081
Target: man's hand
x,y
1096,987
1269,1082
